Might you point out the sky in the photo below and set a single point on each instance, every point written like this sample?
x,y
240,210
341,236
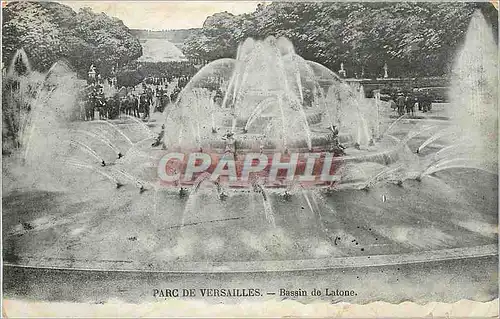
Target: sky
x,y
159,15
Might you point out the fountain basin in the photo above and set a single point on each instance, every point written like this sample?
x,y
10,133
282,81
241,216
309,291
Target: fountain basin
x,y
176,234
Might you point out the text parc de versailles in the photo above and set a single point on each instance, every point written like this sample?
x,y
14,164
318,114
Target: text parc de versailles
x,y
249,292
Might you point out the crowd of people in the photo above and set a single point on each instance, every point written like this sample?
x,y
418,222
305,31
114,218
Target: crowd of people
x,y
128,101
156,92
152,95
405,103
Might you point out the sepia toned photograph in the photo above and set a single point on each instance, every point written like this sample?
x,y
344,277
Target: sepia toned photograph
x,y
175,156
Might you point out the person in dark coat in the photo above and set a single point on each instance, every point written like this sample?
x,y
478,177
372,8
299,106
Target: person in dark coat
x,y
400,102
410,105
426,102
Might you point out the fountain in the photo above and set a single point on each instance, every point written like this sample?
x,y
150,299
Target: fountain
x,y
471,140
382,198
20,65
20,87
274,100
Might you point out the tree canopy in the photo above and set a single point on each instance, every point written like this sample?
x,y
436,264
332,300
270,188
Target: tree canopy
x,y
412,38
49,31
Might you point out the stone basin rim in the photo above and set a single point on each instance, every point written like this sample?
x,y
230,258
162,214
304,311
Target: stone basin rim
x,y
319,264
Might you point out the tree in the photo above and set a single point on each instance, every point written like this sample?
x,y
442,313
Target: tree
x,y
217,39
49,31
27,25
414,39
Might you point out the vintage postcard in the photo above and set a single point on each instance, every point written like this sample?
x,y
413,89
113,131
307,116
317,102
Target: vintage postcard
x,y
249,159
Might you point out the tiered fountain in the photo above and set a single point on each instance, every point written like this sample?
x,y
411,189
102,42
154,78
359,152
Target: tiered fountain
x,y
275,101
272,98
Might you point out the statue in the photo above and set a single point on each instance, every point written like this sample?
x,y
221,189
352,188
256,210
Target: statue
x,y
159,139
230,143
92,71
91,75
342,72
334,146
